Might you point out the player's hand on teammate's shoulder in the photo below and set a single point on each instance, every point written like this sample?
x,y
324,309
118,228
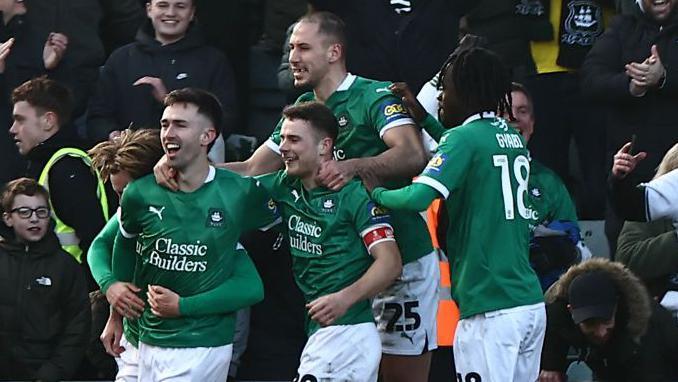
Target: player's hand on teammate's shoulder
x,y
327,309
336,174
122,297
625,162
413,106
163,302
165,175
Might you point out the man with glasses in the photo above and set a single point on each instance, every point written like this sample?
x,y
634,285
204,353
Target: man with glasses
x,y
44,307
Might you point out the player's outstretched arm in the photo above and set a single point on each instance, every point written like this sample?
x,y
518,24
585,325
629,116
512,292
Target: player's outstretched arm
x,y
404,159
415,197
244,288
263,161
385,269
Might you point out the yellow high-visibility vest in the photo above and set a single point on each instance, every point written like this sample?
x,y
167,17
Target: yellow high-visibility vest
x,y
66,234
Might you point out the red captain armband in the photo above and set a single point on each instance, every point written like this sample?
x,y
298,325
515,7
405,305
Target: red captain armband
x,y
377,234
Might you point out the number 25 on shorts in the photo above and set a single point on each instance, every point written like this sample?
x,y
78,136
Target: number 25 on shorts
x,y
408,309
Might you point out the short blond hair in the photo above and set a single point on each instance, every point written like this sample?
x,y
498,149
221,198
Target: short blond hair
x,y
669,162
134,151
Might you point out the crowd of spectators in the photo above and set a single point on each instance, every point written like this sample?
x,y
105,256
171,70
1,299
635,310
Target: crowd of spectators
x,y
593,90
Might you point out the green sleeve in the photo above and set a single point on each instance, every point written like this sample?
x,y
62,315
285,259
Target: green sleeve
x,y
415,197
100,254
564,208
433,127
124,258
366,213
242,289
385,110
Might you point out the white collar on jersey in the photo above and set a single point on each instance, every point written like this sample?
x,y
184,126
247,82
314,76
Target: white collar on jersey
x,y
475,117
346,83
211,174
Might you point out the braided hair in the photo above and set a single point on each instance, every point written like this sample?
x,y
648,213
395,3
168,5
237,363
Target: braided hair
x,y
481,81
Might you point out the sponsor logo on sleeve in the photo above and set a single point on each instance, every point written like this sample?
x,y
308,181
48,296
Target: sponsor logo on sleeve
x,y
378,214
436,163
393,111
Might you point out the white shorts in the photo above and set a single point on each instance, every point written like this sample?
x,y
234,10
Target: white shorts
x,y
406,312
184,364
341,353
128,362
500,346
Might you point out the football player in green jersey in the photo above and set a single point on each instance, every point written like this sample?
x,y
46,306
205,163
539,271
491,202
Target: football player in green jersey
x,y
123,159
376,135
342,246
187,246
481,169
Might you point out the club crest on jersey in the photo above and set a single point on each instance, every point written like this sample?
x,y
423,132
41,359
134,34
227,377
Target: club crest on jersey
x,y
329,206
215,218
535,192
343,121
393,111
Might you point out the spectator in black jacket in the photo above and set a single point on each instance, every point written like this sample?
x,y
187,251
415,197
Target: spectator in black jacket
x,y
23,55
169,53
604,312
44,308
78,198
633,70
93,28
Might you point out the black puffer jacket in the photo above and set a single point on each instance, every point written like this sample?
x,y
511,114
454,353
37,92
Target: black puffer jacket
x,y
186,63
643,346
629,39
44,311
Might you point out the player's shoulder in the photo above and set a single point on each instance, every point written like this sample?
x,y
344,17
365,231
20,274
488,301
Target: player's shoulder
x,y
456,135
371,88
305,97
354,188
143,185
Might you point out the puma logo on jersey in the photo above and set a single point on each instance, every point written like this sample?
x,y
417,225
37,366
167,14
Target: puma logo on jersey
x,y
381,90
296,195
156,211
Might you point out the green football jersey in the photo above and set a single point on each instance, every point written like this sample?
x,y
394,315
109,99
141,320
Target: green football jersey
x,y
549,197
329,235
187,243
365,110
482,169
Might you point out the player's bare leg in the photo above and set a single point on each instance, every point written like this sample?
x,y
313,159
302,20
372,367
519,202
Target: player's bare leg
x,y
404,368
